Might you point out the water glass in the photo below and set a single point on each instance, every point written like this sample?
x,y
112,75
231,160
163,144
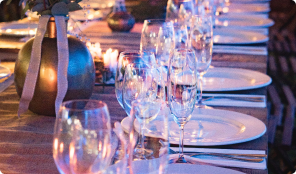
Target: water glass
x,y
181,9
150,33
201,41
130,57
141,82
181,34
182,91
150,119
82,137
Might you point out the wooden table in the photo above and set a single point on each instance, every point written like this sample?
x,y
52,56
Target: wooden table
x,y
26,142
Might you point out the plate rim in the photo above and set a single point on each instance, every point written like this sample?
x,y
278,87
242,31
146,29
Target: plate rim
x,y
246,33
268,22
230,114
235,6
233,115
8,72
240,88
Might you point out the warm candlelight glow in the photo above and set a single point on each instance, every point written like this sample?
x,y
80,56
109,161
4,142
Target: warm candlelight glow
x,y
110,59
94,49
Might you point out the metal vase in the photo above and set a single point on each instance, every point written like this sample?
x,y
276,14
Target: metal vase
x,y
81,72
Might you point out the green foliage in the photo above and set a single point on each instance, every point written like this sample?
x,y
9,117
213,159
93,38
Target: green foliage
x,y
8,2
24,10
49,7
73,6
60,8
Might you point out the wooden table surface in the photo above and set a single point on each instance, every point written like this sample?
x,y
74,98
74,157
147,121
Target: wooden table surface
x,y
26,142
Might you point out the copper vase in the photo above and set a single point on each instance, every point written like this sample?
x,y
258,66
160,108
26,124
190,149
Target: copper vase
x,y
81,72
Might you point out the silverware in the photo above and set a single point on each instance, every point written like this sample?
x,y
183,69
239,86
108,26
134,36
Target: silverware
x,y
251,99
241,157
229,156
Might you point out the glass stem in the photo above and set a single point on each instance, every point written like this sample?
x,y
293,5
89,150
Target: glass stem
x,y
200,89
181,141
142,138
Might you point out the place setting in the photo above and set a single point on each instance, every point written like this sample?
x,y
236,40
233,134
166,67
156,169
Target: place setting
x,y
191,121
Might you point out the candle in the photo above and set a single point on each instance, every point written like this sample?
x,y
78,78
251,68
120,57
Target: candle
x,y
110,59
94,49
107,58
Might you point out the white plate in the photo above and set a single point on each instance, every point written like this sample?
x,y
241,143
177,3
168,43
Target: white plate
x,y
246,8
231,79
4,72
243,21
234,36
210,127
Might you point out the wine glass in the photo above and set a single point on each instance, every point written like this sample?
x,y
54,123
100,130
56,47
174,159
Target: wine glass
x,y
85,141
165,44
81,142
201,40
150,31
142,83
182,90
158,37
181,9
153,116
181,34
130,57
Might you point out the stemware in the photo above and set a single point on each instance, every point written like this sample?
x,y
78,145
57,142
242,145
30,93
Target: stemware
x,y
201,41
158,37
150,119
150,31
181,34
204,7
165,44
182,9
82,137
142,83
130,57
182,90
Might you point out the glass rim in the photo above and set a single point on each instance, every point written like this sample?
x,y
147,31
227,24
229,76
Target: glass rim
x,y
144,68
158,21
140,52
155,20
202,15
183,49
100,105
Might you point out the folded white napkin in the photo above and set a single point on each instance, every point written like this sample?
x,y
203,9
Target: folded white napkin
x,y
222,161
231,102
